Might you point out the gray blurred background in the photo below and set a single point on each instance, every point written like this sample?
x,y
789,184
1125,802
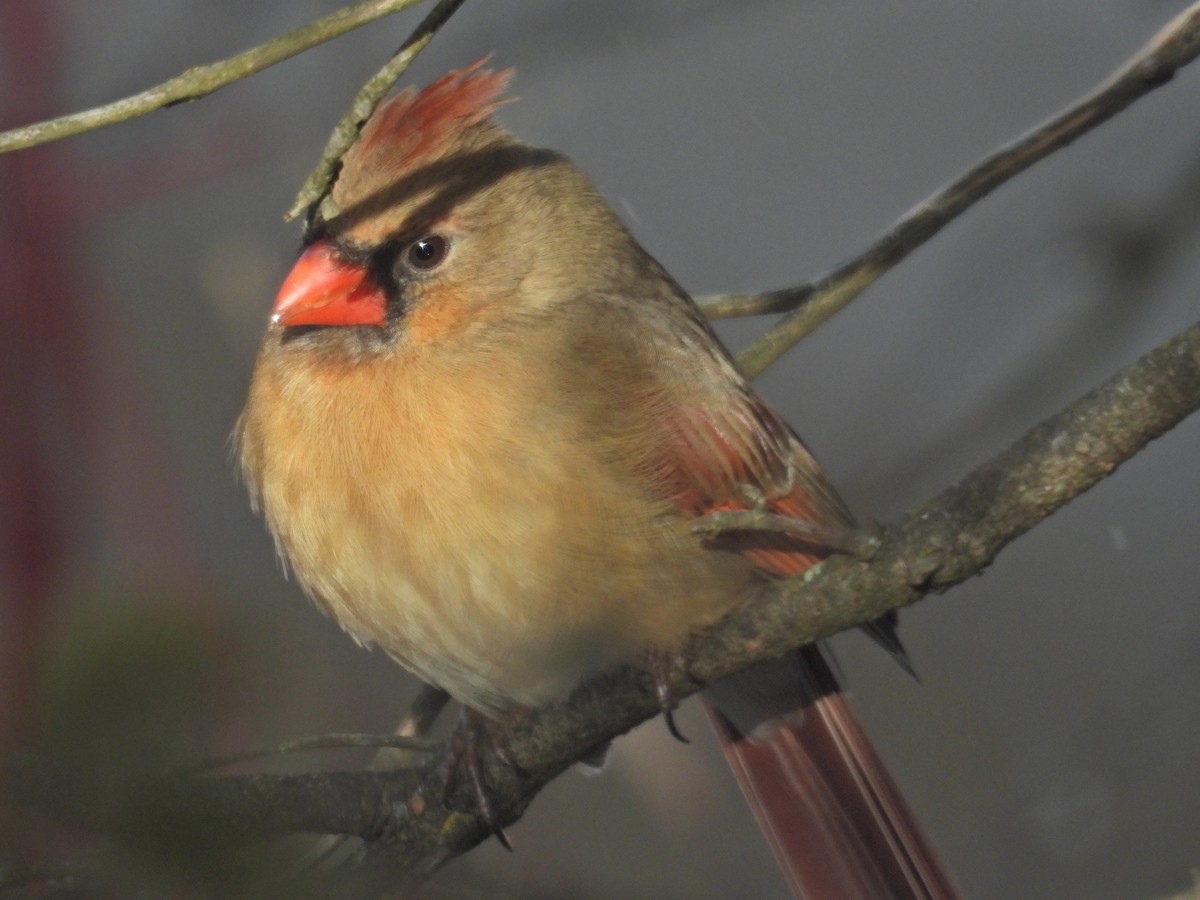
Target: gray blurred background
x,y
1051,747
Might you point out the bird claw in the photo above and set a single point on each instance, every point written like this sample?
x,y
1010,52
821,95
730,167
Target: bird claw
x,y
660,665
465,755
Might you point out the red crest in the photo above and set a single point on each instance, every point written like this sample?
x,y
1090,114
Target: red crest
x,y
414,124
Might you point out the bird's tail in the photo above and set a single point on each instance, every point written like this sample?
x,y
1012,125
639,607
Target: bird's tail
x,y
836,822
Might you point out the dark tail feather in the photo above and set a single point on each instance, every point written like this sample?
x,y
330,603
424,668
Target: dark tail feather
x,y
883,632
834,818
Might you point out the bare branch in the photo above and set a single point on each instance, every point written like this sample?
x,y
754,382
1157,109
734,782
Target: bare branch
x,y
318,184
815,301
200,81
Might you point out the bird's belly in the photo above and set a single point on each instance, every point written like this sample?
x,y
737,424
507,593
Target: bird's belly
x,y
494,617
489,547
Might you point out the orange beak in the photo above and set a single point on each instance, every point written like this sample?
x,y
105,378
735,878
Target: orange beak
x,y
323,289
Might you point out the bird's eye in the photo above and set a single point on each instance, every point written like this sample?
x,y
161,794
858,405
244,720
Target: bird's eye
x,y
427,253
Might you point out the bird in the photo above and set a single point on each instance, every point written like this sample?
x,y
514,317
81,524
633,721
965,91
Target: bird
x,y
482,425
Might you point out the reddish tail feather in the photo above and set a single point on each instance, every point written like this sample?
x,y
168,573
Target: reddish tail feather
x,y
838,825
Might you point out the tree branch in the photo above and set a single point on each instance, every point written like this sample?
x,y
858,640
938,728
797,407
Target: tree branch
x,y
937,545
319,183
817,300
200,81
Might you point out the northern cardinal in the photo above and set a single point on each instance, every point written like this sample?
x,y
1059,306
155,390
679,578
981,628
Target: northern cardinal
x,y
481,426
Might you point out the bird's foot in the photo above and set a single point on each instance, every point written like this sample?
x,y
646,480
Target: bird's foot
x,y
475,735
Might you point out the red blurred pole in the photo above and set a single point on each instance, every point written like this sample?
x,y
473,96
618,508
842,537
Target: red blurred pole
x,y
44,399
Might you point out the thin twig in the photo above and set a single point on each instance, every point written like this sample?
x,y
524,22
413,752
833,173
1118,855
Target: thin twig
x,y
814,302
201,81
314,742
318,184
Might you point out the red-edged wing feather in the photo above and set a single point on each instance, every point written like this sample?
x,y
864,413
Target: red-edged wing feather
x,y
837,823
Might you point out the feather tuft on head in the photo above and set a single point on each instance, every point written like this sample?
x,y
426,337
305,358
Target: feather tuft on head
x,y
413,125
